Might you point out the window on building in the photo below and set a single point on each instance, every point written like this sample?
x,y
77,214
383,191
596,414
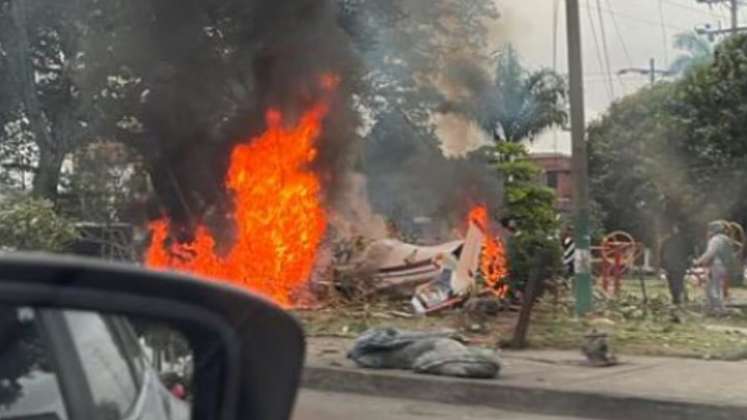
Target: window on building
x,y
552,179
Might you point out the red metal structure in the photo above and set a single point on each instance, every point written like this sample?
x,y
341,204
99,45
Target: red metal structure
x,y
618,252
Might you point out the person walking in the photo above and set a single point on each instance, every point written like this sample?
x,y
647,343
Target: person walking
x,y
717,259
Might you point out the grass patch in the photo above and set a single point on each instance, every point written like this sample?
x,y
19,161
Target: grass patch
x,y
656,329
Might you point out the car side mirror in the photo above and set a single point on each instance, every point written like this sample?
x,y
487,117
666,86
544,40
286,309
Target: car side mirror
x,y
86,339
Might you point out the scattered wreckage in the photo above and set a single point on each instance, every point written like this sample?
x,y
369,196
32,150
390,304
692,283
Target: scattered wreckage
x,y
433,277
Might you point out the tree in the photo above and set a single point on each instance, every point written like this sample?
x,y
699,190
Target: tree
x,y
637,174
696,49
534,251
524,103
709,103
530,205
517,107
38,69
407,48
673,153
408,51
180,82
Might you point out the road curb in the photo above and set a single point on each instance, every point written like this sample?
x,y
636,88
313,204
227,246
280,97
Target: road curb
x,y
511,397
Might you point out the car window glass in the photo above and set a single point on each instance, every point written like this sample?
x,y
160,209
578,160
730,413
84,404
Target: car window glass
x,y
130,345
105,365
29,386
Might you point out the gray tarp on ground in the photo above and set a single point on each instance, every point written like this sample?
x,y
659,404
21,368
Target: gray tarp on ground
x,y
430,353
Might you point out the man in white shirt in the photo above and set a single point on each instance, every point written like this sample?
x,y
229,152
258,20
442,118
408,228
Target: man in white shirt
x,y
716,258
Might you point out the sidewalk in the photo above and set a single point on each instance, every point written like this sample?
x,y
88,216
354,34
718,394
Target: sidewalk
x,y
555,382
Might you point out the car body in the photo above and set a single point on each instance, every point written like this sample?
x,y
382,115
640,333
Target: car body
x,y
64,361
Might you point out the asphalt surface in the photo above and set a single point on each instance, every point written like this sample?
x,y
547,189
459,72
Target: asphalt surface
x,y
316,405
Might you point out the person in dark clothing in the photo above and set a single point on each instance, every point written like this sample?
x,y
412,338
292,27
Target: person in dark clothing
x,y
675,260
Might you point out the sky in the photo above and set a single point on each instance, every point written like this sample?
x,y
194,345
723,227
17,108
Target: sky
x,y
635,31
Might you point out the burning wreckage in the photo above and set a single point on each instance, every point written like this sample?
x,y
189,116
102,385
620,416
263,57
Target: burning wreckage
x,y
281,177
280,223
435,277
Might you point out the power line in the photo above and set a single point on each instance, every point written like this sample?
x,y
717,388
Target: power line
x,y
691,8
619,35
555,35
596,47
734,27
664,39
555,11
603,32
632,18
624,46
623,85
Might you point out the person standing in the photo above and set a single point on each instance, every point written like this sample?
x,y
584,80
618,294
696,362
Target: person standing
x,y
717,259
675,260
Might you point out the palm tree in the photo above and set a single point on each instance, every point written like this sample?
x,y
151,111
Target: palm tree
x,y
697,50
524,102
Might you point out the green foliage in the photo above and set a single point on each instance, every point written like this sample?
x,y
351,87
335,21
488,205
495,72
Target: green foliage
x,y
526,102
523,104
533,254
407,46
638,176
32,224
696,49
675,153
535,249
529,204
711,105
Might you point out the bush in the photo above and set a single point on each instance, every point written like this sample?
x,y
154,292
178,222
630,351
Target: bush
x,y
533,254
535,248
32,224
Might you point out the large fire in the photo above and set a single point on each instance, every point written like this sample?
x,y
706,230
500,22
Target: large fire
x,y
493,264
278,214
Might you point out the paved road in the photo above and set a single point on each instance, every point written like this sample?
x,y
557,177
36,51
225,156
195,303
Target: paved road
x,y
315,405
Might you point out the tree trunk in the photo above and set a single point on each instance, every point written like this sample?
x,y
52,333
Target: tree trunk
x,y
47,176
50,153
533,287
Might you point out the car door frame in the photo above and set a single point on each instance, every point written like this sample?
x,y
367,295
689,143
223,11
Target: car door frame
x,y
143,379
235,335
74,386
73,383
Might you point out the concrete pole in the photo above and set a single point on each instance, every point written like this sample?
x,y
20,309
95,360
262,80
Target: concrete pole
x,y
734,16
652,70
579,164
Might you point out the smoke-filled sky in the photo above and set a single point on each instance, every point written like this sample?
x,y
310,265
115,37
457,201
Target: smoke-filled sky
x,y
635,31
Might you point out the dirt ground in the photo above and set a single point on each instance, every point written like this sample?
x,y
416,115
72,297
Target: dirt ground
x,y
655,328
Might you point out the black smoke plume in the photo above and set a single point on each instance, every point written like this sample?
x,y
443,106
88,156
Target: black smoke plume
x,y
201,75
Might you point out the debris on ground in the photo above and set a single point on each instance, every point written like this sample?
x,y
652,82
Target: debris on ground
x,y
434,353
597,350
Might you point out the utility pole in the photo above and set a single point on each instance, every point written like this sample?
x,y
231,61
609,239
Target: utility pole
x,y
651,71
734,11
734,16
579,163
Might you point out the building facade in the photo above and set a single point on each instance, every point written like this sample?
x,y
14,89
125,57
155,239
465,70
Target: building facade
x,y
556,174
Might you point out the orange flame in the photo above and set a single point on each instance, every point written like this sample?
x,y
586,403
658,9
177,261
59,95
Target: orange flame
x,y
493,264
279,217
